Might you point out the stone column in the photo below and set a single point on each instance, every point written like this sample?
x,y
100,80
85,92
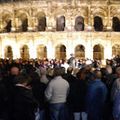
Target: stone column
x,y
108,50
89,48
51,23
1,25
109,24
13,29
30,28
50,50
16,24
69,24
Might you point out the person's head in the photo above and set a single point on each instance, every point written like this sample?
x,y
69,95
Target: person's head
x,y
118,72
69,70
50,71
81,74
14,70
97,74
57,72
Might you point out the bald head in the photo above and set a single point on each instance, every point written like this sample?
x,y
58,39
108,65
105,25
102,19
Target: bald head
x,y
14,71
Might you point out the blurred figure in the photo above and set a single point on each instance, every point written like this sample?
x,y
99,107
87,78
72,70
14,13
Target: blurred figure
x,y
96,97
116,96
24,104
71,61
56,93
9,82
76,97
38,89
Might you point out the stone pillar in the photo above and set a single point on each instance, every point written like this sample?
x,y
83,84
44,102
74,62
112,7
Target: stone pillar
x,y
69,24
13,29
89,26
51,23
108,50
34,23
109,21
30,27
16,24
50,50
89,48
1,25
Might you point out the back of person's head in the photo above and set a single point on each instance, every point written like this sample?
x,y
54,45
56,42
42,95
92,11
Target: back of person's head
x,y
75,71
118,71
81,74
69,70
50,71
62,70
97,74
23,78
57,71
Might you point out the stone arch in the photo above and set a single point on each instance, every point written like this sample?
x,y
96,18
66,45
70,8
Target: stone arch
x,y
60,52
80,52
115,24
24,52
41,20
116,50
98,23
79,23
22,22
98,52
8,52
60,23
6,21
41,51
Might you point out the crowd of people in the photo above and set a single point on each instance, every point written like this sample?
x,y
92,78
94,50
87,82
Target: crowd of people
x,y
58,90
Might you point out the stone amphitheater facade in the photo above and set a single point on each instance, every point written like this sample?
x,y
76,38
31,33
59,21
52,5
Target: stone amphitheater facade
x,y
56,28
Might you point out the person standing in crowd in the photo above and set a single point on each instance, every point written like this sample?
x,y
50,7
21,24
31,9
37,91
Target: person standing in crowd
x,y
96,97
77,94
38,89
56,93
71,61
24,104
9,82
116,96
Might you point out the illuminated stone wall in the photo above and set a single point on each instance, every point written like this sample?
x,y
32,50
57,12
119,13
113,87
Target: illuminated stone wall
x,y
50,38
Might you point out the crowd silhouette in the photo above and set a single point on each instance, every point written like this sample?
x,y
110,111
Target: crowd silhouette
x,y
59,90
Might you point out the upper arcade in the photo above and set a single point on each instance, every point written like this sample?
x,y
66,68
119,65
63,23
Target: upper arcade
x,y
51,15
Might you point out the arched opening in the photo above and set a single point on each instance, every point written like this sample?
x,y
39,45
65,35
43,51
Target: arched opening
x,y
60,52
8,52
116,24
8,26
98,23
60,23
24,26
41,21
79,23
41,52
116,50
80,52
22,23
98,52
6,22
24,52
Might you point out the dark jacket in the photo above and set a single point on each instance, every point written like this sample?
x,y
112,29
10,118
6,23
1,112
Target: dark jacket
x,y
38,89
24,104
95,99
77,94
